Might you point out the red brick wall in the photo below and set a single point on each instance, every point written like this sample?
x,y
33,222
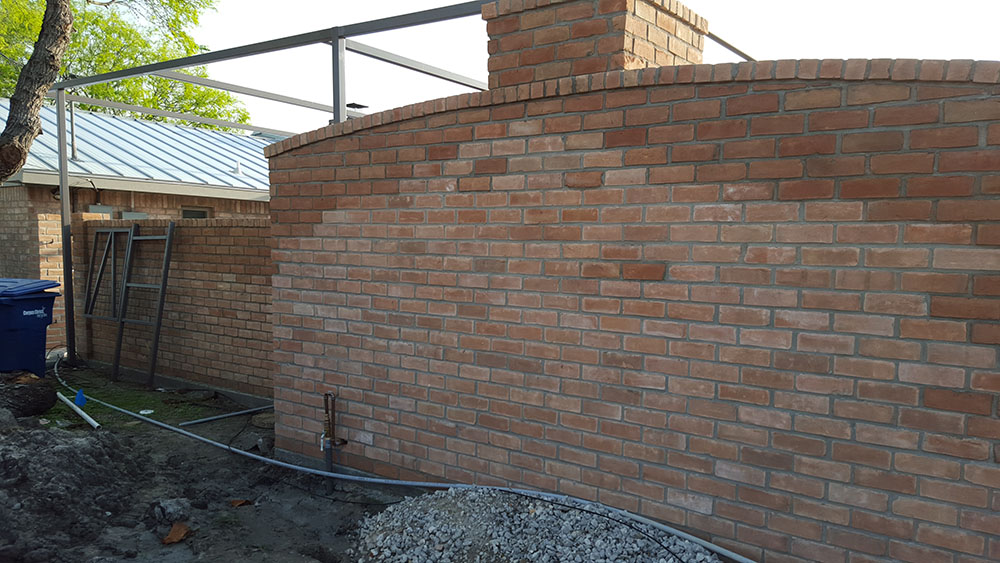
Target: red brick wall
x,y
760,300
31,229
533,41
18,234
167,206
31,238
217,316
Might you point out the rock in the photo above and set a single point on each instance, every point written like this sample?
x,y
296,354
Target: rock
x,y
249,441
168,511
246,441
7,420
266,445
40,555
489,525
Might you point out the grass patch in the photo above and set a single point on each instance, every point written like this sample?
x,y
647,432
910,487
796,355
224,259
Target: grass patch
x,y
170,406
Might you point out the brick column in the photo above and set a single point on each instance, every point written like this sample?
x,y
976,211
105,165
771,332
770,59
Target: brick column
x,y
535,40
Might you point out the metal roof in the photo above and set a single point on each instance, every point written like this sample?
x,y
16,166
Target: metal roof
x,y
123,148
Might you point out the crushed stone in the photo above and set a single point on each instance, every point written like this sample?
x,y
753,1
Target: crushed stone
x,y
490,526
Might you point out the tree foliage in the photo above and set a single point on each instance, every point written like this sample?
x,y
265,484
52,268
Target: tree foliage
x,y
34,79
111,35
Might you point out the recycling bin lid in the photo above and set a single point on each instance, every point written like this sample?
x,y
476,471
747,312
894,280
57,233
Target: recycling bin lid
x,y
13,287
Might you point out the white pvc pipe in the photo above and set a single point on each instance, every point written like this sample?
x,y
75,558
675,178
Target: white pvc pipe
x,y
96,425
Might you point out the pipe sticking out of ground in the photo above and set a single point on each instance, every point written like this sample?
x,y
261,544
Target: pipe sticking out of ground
x,y
379,481
86,417
227,415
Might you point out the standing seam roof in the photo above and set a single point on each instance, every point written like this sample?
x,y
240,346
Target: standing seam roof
x,y
125,148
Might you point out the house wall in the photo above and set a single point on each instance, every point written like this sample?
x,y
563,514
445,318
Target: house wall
x,y
217,314
166,206
18,234
30,235
31,229
759,301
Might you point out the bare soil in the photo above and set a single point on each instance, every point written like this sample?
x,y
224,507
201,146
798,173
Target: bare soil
x,y
73,494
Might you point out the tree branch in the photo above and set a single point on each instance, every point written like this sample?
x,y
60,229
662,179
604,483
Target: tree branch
x,y
37,76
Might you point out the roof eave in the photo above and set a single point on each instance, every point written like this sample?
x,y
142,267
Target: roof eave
x,y
28,177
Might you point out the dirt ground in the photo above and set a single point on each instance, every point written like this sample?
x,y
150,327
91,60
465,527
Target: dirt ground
x,y
72,494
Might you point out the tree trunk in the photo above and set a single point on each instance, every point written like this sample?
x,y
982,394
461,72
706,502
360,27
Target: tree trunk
x,y
37,76
23,394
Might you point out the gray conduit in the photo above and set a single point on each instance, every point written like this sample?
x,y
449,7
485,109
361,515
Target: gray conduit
x,y
379,481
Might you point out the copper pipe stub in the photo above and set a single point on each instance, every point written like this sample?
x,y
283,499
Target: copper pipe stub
x,y
330,409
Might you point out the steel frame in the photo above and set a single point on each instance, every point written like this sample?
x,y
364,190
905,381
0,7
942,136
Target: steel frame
x,y
93,286
173,114
337,36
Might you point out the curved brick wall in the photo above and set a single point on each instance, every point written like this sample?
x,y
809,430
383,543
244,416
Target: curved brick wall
x,y
760,300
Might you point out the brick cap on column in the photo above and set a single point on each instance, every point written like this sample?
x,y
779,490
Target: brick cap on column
x,y
502,8
912,70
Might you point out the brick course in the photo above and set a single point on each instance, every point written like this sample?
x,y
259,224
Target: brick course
x,y
757,300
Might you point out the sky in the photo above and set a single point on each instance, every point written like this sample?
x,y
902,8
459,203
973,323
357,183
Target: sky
x,y
765,29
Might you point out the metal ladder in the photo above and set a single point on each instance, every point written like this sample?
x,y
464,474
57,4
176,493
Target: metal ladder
x,y
133,239
94,280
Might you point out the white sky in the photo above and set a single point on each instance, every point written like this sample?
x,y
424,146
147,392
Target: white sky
x,y
766,29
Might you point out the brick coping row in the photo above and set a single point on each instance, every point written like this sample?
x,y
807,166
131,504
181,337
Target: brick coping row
x,y
954,71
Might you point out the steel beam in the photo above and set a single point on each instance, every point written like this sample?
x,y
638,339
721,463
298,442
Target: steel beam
x,y
311,38
67,229
263,94
727,45
412,64
176,115
200,81
434,15
271,46
339,77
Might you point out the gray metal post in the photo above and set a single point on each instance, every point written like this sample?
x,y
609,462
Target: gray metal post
x,y
67,233
339,83
72,131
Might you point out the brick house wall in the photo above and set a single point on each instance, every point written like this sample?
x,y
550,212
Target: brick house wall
x,y
31,229
757,300
31,235
169,206
19,234
217,315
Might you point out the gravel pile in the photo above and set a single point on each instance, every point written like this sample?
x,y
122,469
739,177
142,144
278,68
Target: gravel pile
x,y
489,526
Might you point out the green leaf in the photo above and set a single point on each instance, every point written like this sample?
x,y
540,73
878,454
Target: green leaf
x,y
124,34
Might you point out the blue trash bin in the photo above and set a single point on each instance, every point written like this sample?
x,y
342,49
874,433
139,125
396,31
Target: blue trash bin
x,y
25,314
